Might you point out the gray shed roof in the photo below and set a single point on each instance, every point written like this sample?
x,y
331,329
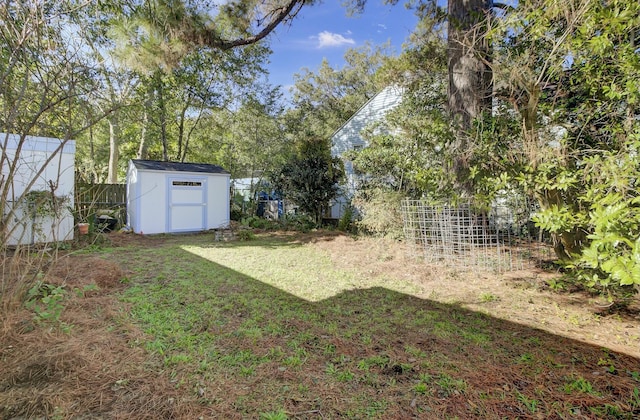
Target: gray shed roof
x,y
157,165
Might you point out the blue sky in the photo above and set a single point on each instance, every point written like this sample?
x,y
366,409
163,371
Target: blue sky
x,y
325,31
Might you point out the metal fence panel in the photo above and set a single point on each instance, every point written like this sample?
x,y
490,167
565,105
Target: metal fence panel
x,y
501,238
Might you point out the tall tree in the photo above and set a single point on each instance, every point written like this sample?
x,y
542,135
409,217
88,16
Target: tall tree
x,y
310,178
470,78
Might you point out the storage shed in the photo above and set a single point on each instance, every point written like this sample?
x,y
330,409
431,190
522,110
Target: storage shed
x,y
40,190
172,197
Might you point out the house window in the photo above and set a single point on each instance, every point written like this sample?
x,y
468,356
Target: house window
x,y
187,183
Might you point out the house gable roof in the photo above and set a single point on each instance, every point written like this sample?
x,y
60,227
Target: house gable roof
x,y
373,110
156,165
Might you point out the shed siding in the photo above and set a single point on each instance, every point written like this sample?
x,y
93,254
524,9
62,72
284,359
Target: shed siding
x,y
59,170
149,194
218,205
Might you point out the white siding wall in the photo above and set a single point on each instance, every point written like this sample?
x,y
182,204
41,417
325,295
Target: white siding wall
x,y
152,205
218,205
133,198
59,170
348,137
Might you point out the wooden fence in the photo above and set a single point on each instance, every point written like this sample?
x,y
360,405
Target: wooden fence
x,y
92,200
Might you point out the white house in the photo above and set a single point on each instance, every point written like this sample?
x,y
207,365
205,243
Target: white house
x,y
44,168
171,197
349,137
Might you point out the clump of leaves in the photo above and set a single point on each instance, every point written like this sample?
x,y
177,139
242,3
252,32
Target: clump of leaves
x,y
46,301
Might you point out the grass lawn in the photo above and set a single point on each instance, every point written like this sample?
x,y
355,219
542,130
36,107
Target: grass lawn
x,y
300,326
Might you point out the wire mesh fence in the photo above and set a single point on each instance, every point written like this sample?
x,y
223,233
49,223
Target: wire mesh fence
x,y
501,237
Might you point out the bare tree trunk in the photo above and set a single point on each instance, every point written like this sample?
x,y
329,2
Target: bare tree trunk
x,y
470,87
181,133
94,173
114,132
163,116
142,149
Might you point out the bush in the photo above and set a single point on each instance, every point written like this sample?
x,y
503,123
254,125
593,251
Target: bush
x,y
380,212
345,224
298,222
257,223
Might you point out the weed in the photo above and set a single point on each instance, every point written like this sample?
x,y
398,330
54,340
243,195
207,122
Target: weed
x,y
557,284
476,337
425,378
274,415
345,376
331,369
377,361
534,341
488,297
293,361
449,385
375,408
606,411
530,404
609,364
46,300
176,359
635,399
86,288
581,385
247,370
421,388
415,352
526,358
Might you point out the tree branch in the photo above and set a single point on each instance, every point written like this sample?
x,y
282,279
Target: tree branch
x,y
211,38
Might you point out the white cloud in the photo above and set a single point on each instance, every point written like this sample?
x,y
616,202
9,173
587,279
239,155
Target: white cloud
x,y
382,27
328,39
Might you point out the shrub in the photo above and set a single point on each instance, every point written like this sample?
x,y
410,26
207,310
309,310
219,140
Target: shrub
x,y
346,221
298,222
380,212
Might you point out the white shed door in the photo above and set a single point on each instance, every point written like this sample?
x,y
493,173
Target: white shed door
x,y
187,204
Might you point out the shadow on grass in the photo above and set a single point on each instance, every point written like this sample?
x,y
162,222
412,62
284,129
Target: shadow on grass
x,y
250,348
232,346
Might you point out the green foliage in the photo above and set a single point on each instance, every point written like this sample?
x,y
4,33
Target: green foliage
x,y
581,385
257,222
246,235
449,385
345,224
569,81
410,150
325,99
274,415
310,179
297,222
380,212
46,300
45,204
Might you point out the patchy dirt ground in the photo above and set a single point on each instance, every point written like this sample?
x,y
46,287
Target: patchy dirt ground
x,y
519,296
93,365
